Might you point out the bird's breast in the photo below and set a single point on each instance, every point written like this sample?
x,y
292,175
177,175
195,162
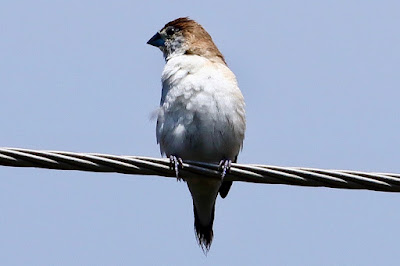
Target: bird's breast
x,y
200,113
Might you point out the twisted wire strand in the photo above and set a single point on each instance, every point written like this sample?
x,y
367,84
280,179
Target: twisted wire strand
x,y
137,165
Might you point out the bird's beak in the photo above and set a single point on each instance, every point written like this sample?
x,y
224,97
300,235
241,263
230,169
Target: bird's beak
x,y
156,40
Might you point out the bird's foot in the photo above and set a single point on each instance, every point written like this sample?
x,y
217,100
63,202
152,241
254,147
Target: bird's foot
x,y
225,166
175,162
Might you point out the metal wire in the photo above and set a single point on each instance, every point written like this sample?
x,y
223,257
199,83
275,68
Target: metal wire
x,y
136,165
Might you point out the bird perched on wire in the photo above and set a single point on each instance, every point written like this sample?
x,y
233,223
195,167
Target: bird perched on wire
x,y
201,115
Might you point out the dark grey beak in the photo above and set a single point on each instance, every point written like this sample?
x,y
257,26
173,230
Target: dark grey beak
x,y
156,40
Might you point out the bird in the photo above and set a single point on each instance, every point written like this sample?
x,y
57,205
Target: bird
x,y
201,116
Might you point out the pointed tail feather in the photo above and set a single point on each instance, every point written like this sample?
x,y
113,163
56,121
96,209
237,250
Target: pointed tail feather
x,y
204,233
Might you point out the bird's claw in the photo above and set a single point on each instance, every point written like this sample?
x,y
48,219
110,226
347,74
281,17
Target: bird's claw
x,y
175,162
225,166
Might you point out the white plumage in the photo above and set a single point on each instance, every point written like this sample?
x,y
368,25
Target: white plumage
x,y
201,115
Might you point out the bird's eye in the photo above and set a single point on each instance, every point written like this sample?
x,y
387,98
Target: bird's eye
x,y
170,31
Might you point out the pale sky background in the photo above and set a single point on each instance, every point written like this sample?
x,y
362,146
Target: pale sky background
x,y
321,81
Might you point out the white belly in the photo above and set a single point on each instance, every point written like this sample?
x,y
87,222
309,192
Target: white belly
x,y
201,116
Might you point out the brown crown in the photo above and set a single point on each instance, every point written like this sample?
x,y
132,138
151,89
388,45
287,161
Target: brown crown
x,y
199,41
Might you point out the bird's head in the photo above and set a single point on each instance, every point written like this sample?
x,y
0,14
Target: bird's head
x,y
185,36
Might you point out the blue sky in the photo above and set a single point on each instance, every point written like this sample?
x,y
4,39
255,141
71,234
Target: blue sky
x,y
321,82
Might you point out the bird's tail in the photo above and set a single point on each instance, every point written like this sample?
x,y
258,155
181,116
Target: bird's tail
x,y
204,193
204,232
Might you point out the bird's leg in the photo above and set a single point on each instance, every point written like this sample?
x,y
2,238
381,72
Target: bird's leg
x,y
225,166
175,162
